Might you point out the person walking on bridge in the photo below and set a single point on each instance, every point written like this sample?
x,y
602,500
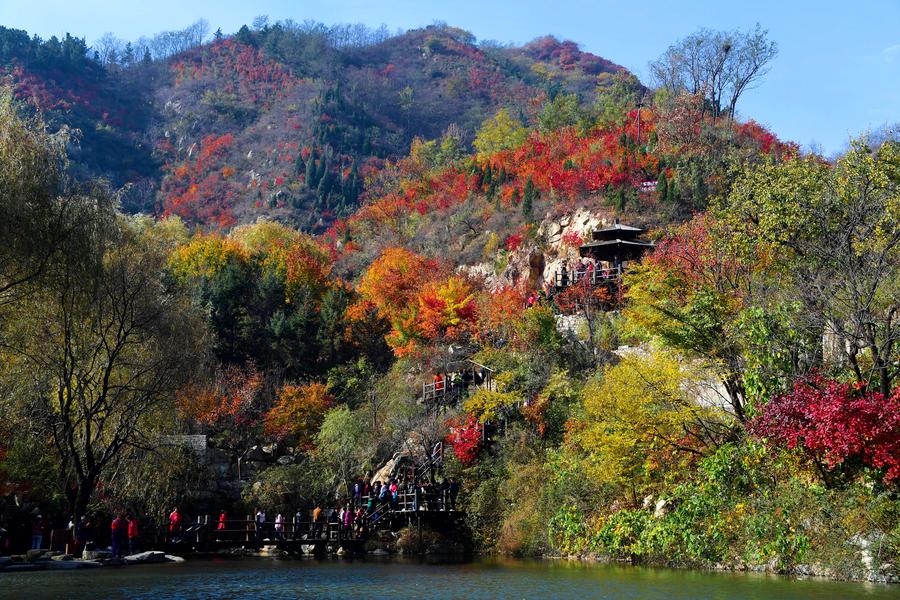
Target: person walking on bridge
x,y
132,534
317,517
260,521
222,526
298,523
279,527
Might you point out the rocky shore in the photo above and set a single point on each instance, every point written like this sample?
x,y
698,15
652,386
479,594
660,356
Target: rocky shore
x,y
46,560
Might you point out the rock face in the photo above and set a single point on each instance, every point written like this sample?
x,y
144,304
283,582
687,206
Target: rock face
x,y
537,267
661,508
411,451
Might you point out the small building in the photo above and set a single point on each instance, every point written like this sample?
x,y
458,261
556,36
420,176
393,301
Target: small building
x,y
616,245
610,249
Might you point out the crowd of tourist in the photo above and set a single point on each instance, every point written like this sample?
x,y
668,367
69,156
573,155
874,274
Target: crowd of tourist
x,y
364,506
72,535
352,517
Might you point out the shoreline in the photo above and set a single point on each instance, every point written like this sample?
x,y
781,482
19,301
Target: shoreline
x,y
799,573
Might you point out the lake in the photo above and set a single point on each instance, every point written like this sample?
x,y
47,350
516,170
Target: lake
x,y
298,578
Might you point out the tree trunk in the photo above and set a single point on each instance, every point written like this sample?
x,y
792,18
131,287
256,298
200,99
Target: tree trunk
x,y
82,498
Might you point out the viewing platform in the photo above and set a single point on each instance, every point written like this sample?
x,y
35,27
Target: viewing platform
x,y
449,388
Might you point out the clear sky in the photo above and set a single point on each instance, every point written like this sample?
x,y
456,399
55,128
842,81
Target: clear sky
x,y
837,73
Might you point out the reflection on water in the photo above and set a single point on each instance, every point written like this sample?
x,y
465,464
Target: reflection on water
x,y
297,578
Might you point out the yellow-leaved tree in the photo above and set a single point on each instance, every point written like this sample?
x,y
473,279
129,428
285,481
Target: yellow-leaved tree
x,y
643,420
500,132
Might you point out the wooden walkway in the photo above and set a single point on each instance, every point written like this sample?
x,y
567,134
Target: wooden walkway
x,y
318,537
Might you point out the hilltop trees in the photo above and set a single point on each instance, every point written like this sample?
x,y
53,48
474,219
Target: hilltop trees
x,y
720,65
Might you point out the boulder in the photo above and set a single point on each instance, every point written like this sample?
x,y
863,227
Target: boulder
x,y
174,559
285,460
36,555
662,507
384,473
257,454
151,556
96,554
63,557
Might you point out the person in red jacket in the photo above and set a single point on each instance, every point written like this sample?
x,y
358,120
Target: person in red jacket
x,y
119,529
174,523
220,530
132,534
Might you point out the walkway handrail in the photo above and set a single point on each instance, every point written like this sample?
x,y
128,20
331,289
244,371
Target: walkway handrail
x,y
596,276
478,364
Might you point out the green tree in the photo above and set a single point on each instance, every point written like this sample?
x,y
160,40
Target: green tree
x,y
835,233
662,187
617,94
97,351
40,210
500,132
528,198
564,110
342,447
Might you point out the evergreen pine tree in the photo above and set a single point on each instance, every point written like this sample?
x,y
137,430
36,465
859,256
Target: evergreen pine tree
x,y
672,193
311,171
324,164
128,55
620,199
324,188
528,198
662,187
299,165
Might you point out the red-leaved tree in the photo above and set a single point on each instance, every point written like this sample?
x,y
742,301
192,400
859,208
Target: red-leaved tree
x,y
839,426
465,438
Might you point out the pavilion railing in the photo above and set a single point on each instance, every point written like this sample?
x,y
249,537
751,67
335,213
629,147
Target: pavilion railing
x,y
593,276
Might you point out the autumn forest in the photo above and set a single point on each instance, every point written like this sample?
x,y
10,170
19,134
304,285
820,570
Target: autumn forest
x,y
328,249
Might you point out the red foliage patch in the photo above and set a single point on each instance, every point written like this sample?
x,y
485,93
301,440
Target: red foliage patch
x,y
836,423
465,438
237,69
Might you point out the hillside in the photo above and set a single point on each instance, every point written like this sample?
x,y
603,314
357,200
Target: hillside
x,y
373,258
223,133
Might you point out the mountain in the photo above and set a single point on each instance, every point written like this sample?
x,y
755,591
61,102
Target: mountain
x,y
283,121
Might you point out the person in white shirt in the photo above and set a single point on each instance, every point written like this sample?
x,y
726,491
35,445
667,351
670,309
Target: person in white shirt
x,y
279,526
260,524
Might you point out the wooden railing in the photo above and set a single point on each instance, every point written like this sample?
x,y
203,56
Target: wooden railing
x,y
450,388
592,276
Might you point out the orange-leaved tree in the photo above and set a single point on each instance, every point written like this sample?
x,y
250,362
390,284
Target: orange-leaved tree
x,y
447,309
298,412
391,285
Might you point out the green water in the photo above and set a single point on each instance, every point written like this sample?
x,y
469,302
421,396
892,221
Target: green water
x,y
269,578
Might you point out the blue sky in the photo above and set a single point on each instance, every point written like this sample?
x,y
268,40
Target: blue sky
x,y
837,73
